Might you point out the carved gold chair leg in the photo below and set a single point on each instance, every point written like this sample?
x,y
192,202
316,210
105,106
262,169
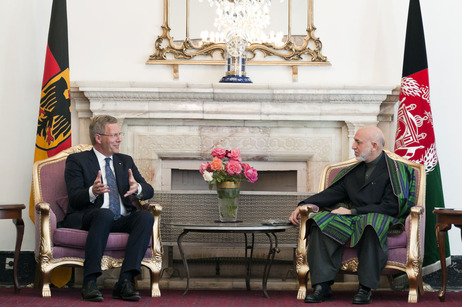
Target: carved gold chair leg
x,y
414,285
154,274
46,291
155,290
155,277
302,269
302,284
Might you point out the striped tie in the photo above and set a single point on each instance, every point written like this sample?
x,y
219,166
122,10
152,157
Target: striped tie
x,y
114,203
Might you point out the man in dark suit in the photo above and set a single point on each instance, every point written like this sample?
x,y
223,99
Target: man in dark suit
x,y
361,204
100,183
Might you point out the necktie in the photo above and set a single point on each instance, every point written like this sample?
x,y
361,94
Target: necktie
x,y
114,203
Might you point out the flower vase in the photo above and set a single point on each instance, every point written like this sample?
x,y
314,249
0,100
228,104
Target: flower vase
x,y
228,201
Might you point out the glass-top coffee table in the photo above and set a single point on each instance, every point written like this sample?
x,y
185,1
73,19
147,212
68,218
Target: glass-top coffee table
x,y
245,228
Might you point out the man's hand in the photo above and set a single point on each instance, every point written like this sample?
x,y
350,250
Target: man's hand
x,y
98,187
295,217
133,184
341,210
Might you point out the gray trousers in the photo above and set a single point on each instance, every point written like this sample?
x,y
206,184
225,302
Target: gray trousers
x,y
325,257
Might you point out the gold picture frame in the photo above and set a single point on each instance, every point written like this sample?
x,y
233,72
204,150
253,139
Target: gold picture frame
x,y
305,51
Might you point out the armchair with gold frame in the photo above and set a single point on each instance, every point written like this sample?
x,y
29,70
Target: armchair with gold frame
x,y
56,247
406,250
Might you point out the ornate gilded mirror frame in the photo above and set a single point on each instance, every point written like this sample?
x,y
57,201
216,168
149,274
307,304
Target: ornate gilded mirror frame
x,y
185,52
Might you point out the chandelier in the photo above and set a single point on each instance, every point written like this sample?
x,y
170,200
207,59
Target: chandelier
x,y
240,23
244,18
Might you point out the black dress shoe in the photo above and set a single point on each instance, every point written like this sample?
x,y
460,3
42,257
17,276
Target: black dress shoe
x,y
125,290
364,296
321,293
91,293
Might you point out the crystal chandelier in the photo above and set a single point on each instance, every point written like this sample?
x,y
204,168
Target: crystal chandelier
x,y
239,23
245,18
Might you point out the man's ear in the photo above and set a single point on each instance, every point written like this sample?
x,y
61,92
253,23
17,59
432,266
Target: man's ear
x,y
98,138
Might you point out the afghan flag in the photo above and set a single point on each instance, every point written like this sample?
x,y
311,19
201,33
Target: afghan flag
x,y
415,138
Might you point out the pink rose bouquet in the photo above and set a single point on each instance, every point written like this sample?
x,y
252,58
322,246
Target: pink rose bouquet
x,y
226,165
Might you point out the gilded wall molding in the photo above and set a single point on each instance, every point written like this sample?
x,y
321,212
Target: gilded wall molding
x,y
192,51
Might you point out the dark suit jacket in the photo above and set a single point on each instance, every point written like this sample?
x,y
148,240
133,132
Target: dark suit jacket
x,y
373,196
80,173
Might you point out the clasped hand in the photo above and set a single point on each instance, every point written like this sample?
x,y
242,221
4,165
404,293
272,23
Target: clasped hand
x,y
100,188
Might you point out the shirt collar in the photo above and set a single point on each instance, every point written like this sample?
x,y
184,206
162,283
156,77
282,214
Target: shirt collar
x,y
100,156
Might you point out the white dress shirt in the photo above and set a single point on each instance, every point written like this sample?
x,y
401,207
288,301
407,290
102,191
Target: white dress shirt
x,y
102,165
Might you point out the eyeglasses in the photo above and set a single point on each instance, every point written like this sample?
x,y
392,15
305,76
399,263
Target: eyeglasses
x,y
115,135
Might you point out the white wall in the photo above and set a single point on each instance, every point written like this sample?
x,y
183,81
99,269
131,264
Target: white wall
x,y
110,40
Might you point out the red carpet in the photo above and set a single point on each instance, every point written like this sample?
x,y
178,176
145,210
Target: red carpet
x,y
216,298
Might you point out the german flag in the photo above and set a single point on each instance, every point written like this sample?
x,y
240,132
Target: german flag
x,y
54,118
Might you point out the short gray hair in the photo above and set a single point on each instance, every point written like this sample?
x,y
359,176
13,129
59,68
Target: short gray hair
x,y
98,125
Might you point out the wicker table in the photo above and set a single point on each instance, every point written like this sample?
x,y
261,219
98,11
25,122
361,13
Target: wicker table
x,y
244,228
14,212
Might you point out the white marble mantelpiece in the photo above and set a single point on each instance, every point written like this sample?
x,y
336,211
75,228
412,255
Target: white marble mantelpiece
x,y
274,125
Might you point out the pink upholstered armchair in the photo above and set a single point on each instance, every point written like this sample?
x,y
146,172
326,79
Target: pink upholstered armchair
x,y
55,247
405,250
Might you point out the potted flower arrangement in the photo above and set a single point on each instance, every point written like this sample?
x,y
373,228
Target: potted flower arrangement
x,y
227,171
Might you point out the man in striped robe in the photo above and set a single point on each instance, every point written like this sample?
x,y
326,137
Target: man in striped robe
x,y
374,194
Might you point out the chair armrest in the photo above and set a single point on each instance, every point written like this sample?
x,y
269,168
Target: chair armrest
x,y
415,226
44,230
157,249
305,212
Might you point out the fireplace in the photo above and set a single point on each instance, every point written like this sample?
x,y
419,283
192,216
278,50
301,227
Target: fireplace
x,y
296,131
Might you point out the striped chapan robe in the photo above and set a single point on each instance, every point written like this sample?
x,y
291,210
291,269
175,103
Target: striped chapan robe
x,y
342,228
